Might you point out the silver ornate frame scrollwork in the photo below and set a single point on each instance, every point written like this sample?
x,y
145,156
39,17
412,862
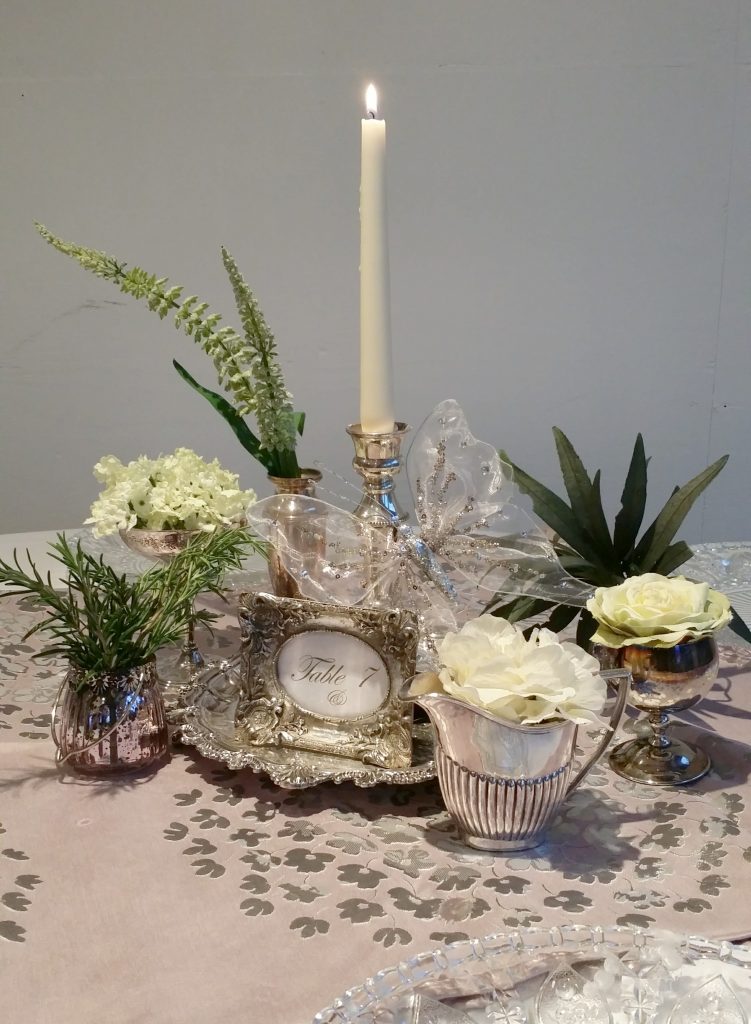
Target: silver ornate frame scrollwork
x,y
267,715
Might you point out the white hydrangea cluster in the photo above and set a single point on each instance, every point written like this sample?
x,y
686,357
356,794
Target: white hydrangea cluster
x,y
174,492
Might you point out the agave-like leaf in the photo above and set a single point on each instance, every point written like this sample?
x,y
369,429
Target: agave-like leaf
x,y
673,557
633,502
556,513
519,608
583,570
668,522
561,617
585,628
739,627
584,495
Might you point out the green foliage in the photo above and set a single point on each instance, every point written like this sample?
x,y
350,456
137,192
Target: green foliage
x,y
273,403
585,545
246,367
103,621
237,424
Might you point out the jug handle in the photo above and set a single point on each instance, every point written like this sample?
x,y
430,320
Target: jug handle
x,y
622,677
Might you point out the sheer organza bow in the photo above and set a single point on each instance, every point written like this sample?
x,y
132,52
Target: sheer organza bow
x,y
469,537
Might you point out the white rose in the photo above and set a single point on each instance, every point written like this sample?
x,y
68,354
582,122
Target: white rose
x,y
657,611
490,664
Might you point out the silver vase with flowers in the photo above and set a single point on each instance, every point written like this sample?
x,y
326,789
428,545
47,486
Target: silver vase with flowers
x,y
160,507
662,629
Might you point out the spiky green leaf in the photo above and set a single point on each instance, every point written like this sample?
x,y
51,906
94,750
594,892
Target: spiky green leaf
x,y
673,558
668,522
588,573
739,627
561,617
584,495
633,502
519,608
585,629
555,512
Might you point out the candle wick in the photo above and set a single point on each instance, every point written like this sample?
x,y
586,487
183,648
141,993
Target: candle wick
x,y
371,115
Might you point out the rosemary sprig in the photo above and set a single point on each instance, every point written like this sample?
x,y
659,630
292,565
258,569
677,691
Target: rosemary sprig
x,y
102,621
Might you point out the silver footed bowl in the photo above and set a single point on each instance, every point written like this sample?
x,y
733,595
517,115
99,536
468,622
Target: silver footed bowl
x,y
163,545
160,544
665,680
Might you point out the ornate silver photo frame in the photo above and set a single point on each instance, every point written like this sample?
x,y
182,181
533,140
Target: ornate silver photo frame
x,y
326,678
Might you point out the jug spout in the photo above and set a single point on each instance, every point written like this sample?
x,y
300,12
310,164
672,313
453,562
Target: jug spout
x,y
488,745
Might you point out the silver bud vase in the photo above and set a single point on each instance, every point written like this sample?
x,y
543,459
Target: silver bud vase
x,y
291,515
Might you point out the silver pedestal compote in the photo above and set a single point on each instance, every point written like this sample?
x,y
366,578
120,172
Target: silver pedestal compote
x,y
665,680
163,545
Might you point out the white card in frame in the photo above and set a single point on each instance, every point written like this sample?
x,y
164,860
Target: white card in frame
x,y
326,678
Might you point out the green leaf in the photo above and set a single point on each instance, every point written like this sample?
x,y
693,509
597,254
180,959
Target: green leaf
x,y
633,501
299,418
585,629
555,513
561,617
283,464
739,627
232,417
668,522
519,608
673,557
582,570
584,495
634,565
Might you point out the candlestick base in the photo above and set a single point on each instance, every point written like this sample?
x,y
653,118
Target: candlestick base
x,y
378,460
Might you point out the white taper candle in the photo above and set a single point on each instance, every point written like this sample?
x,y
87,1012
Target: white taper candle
x,y
376,403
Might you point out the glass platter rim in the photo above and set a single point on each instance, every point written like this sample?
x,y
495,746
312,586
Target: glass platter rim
x,y
357,1004
711,552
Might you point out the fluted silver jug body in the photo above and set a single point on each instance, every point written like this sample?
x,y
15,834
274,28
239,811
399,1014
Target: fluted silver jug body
x,y
503,782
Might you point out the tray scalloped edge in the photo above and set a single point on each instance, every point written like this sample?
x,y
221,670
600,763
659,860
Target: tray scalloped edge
x,y
301,771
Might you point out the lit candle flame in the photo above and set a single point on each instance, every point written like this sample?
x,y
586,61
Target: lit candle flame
x,y
371,100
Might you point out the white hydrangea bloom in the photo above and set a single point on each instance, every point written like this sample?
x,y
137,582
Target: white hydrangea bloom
x,y
174,492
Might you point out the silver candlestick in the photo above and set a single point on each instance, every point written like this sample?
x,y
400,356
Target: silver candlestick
x,y
378,459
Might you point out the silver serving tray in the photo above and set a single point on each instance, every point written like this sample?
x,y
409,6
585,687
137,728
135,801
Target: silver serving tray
x,y
208,724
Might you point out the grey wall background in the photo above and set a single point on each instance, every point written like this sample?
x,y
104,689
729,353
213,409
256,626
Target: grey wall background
x,y
570,221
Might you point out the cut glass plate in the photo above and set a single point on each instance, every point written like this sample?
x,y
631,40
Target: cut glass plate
x,y
574,974
726,566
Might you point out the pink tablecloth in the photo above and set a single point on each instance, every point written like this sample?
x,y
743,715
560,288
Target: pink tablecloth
x,y
199,895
